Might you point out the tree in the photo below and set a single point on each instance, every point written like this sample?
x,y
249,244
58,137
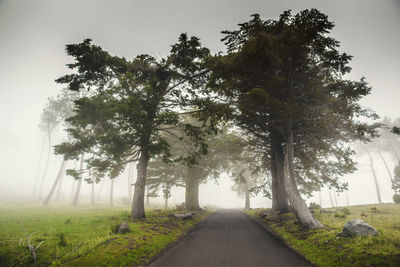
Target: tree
x,y
133,102
60,109
283,82
49,120
396,180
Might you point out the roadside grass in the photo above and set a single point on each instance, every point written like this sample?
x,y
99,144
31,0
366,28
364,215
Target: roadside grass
x,y
82,235
322,247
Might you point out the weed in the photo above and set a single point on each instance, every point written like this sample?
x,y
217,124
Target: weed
x,y
62,241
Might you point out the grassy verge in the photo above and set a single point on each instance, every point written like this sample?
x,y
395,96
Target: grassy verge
x,y
322,247
82,236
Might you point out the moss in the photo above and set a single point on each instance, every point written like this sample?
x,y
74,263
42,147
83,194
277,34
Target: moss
x,y
322,247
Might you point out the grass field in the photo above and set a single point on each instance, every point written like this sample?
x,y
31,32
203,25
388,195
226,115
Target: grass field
x,y
82,236
323,248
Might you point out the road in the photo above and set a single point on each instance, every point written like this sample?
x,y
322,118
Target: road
x,y
229,238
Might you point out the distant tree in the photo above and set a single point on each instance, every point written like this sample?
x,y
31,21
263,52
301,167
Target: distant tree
x,y
133,102
49,120
60,109
283,82
396,180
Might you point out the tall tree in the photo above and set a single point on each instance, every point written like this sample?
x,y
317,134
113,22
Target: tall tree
x,y
49,120
283,82
133,102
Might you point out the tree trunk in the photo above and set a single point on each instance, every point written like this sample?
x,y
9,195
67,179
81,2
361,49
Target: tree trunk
x,y
73,183
347,198
334,198
38,169
279,196
138,195
53,188
303,214
191,191
331,199
92,194
371,164
386,166
78,188
166,203
247,199
101,187
45,168
59,186
112,193
320,199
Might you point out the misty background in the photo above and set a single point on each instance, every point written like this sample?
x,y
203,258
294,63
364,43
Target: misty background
x,y
33,35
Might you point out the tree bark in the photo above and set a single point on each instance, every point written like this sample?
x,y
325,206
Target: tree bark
x,y
38,169
386,166
56,181
45,168
191,190
138,195
78,188
303,214
279,196
371,164
59,186
112,193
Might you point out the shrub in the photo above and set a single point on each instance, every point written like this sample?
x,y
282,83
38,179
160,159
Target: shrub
x,y
62,241
314,206
114,228
345,211
180,207
339,214
396,198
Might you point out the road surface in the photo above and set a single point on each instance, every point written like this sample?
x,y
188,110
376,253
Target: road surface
x,y
229,238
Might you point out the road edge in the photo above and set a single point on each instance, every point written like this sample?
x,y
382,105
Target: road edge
x,y
171,245
260,223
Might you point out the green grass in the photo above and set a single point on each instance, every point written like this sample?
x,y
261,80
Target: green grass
x,y
82,236
323,248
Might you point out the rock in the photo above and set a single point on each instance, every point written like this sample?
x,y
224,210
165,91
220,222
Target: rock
x,y
264,214
123,228
183,216
357,228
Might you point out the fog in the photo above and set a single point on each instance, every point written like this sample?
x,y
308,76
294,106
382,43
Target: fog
x,y
33,35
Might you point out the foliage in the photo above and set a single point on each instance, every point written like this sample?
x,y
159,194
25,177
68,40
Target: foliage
x,y
396,198
323,248
314,206
132,103
290,70
62,241
345,211
396,179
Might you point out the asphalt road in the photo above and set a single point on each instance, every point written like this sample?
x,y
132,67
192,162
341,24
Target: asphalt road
x,y
229,238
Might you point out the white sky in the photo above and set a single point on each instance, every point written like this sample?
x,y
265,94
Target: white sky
x,y
33,35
